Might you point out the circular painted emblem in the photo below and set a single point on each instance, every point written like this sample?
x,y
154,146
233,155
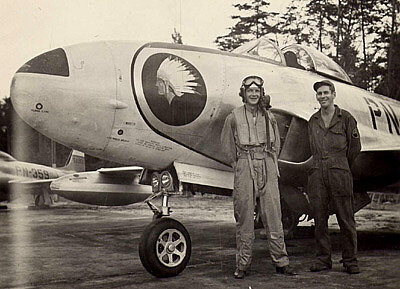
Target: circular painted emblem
x,y
174,89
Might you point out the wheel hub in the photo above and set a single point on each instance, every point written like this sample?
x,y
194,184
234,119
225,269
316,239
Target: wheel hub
x,y
170,248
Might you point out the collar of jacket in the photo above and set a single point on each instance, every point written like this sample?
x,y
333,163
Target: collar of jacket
x,y
256,110
335,119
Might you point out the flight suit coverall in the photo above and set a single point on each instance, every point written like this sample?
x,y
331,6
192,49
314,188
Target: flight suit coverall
x,y
244,141
330,182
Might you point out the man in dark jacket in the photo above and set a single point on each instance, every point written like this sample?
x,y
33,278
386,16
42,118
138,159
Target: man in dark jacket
x,y
335,143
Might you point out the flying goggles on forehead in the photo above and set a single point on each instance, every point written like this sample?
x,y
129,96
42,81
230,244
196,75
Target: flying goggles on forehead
x,y
248,81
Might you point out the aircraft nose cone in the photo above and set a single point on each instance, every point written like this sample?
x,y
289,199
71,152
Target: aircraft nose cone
x,y
28,89
67,95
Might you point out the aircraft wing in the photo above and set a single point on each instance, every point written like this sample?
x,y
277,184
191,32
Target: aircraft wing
x,y
29,185
122,171
31,182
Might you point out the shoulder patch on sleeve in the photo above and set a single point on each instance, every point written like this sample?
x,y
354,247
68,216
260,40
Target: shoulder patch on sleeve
x,y
355,133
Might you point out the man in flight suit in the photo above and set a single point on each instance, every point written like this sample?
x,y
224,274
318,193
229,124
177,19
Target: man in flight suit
x,y
335,143
250,140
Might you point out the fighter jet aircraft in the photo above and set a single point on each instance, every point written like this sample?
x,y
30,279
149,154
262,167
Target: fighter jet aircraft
x,y
18,177
162,106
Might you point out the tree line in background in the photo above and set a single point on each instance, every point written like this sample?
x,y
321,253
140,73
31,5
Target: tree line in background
x,y
362,36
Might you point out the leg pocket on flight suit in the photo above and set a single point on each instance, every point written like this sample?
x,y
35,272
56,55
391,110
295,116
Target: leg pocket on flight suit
x,y
341,182
239,171
272,174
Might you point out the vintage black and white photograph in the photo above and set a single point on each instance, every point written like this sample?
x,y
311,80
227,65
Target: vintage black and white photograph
x,y
200,144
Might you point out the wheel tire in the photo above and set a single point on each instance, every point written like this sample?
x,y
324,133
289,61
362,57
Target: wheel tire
x,y
165,248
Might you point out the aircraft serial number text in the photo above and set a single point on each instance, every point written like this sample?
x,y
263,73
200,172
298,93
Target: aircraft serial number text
x,y
32,173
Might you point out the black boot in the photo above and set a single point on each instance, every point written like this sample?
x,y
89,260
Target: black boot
x,y
239,274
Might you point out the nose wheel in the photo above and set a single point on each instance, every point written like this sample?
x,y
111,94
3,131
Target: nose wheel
x,y
165,248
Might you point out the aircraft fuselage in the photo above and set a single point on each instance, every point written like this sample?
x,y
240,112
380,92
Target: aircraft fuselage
x,y
154,104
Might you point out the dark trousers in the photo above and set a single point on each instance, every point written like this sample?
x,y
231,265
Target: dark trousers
x,y
323,201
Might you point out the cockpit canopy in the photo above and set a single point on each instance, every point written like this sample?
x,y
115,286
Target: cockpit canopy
x,y
263,49
296,55
312,59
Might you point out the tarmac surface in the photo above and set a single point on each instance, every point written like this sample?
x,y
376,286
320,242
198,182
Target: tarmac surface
x,y
79,246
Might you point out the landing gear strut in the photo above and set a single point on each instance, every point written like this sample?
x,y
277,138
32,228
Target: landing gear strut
x,y
165,246
43,199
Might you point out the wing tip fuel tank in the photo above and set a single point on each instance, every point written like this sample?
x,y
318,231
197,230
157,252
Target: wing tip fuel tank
x,y
96,189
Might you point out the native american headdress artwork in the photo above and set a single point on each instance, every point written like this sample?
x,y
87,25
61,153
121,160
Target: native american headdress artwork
x,y
174,89
175,78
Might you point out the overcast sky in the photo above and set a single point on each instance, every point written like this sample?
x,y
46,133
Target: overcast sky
x,y
31,27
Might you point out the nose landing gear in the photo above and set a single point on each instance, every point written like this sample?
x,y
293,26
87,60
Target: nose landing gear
x,y
165,246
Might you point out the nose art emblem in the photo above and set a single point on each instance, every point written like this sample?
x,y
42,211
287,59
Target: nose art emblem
x,y
174,89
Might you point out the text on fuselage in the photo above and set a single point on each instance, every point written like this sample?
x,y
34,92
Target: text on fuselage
x,y
379,109
32,173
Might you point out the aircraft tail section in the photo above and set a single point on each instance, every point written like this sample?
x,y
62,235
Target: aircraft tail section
x,y
75,162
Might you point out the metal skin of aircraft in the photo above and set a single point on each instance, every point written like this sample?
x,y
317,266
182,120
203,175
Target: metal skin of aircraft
x,y
104,187
162,106
18,177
